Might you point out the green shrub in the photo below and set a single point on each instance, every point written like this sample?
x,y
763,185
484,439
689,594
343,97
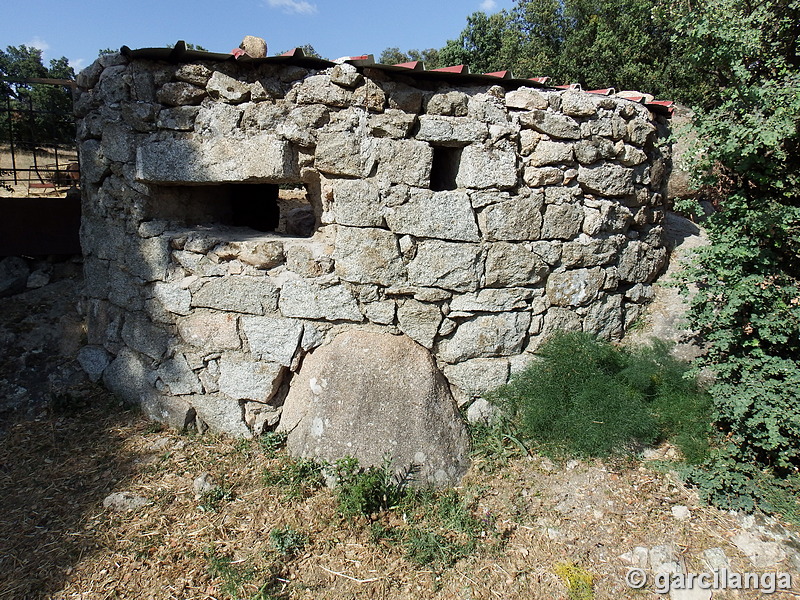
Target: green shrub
x,y
590,398
746,283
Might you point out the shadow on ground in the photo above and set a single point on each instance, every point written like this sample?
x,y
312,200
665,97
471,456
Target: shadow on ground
x,y
54,474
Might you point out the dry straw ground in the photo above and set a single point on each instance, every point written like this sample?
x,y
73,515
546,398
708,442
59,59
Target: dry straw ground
x,y
59,542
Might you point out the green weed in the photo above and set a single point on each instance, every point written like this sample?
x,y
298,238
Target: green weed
x,y
271,442
238,578
212,500
364,491
287,541
298,478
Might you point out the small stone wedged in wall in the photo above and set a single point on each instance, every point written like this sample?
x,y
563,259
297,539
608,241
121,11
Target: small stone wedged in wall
x,y
553,224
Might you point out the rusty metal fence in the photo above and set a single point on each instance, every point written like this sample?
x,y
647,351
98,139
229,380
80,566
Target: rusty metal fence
x,y
38,154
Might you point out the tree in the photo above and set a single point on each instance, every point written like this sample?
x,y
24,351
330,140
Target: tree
x,y
50,118
747,307
393,56
487,44
308,50
626,44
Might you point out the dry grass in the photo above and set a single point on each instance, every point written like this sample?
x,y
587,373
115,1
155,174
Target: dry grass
x,y
44,159
59,542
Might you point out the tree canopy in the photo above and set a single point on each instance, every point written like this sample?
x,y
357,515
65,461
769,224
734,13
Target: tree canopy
x,y
51,119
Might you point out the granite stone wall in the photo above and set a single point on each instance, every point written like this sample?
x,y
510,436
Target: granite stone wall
x,y
236,216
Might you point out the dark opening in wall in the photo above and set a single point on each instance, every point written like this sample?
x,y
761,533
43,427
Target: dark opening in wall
x,y
254,205
264,207
446,161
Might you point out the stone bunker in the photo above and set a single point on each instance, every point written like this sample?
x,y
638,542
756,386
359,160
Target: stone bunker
x,y
242,216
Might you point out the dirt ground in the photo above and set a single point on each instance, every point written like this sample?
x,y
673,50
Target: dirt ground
x,y
63,455
60,542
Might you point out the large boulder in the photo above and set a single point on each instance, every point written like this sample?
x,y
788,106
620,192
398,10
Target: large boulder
x,y
375,396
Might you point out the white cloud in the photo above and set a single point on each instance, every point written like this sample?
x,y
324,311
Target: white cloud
x,y
294,6
39,43
488,5
77,64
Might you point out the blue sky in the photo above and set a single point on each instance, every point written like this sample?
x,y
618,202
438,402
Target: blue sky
x,y
78,30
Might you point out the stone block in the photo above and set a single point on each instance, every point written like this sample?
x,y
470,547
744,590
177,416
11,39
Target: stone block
x,y
516,264
319,89
243,294
551,153
309,300
452,103
485,336
403,97
174,297
393,123
605,318
449,265
478,376
221,414
194,73
357,203
346,75
562,221
369,96
273,339
210,330
492,300
179,118
263,157
483,167
538,177
442,215
180,93
142,335
345,154
450,131
94,360
176,374
577,287
172,411
640,262
526,99
227,89
516,219
217,119
607,179
551,123
419,321
114,85
94,164
586,251
405,161
242,378
578,104
129,376
367,255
